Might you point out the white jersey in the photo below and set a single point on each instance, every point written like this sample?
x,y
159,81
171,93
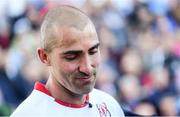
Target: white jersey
x,y
40,103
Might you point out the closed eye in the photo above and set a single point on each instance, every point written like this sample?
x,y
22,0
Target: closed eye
x,y
71,57
94,51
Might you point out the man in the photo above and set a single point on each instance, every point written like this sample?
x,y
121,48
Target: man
x,y
70,50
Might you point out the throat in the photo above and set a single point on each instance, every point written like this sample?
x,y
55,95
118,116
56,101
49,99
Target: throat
x,y
63,95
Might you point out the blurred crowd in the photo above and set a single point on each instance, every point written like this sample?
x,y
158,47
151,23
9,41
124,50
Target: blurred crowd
x,y
140,47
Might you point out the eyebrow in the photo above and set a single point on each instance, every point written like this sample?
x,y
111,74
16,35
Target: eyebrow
x,y
95,46
80,51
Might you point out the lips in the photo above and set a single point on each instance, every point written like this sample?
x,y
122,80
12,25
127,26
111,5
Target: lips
x,y
85,80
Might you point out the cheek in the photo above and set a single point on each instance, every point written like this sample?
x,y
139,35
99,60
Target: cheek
x,y
68,67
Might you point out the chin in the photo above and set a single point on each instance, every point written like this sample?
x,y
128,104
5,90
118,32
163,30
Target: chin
x,y
85,91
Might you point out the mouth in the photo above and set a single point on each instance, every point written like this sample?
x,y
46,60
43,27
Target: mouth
x,y
85,80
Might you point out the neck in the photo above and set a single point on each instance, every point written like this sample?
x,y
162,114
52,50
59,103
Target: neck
x,y
59,92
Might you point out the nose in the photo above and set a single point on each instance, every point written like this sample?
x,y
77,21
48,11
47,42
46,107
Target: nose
x,y
86,65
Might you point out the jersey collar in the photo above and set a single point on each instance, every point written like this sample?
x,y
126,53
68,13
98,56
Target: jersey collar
x,y
41,87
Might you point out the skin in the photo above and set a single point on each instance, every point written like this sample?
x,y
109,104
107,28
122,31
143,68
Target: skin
x,y
72,63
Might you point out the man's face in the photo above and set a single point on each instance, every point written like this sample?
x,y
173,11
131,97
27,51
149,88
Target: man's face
x,y
75,60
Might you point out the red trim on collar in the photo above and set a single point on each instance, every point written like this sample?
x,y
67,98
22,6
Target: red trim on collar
x,y
41,87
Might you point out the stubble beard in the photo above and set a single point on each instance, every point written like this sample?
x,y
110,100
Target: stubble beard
x,y
76,87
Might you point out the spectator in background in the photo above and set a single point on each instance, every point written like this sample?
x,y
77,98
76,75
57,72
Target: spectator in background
x,y
145,108
167,106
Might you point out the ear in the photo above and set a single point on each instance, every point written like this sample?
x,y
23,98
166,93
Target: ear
x,y
43,56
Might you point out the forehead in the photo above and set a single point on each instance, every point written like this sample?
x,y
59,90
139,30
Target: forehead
x,y
72,37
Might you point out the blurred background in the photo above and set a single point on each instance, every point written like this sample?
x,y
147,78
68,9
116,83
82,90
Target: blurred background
x,y
140,46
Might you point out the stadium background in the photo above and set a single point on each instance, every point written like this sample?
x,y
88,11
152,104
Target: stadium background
x,y
140,44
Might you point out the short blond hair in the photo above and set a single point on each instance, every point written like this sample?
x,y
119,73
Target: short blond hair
x,y
61,16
